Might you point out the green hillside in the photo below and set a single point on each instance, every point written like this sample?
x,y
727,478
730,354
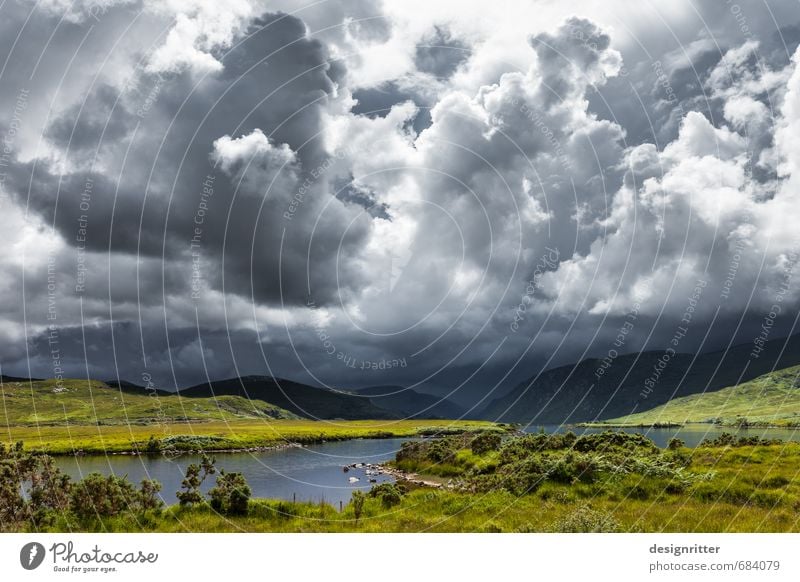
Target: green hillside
x,y
771,399
46,402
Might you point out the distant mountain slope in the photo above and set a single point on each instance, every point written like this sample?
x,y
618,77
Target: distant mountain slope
x,y
574,393
301,399
772,399
410,403
47,402
132,388
4,379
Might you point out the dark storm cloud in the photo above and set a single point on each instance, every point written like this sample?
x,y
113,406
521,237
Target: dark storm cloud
x,y
82,127
275,80
180,354
440,54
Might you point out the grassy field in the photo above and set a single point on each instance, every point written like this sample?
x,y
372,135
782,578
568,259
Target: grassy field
x,y
81,402
715,488
217,435
769,400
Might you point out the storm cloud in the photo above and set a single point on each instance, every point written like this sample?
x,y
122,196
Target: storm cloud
x,y
351,193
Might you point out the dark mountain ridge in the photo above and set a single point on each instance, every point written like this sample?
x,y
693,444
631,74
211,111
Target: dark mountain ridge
x,y
411,404
634,383
301,399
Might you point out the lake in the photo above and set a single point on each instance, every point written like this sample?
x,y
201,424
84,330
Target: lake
x,y
314,473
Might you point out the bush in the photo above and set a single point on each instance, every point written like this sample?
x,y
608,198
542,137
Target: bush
x,y
99,496
153,446
231,494
486,442
195,475
149,499
675,443
357,501
47,491
390,494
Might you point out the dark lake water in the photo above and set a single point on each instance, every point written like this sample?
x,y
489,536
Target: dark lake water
x,y
314,473
311,473
692,435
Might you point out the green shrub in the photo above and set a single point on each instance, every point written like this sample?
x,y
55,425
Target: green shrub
x,y
195,475
47,490
357,501
390,494
100,496
149,499
485,442
231,494
675,444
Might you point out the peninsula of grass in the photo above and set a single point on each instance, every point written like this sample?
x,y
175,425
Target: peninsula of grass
x,y
219,436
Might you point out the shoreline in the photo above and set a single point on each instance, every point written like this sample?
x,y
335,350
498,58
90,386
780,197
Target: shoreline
x,y
412,478
750,426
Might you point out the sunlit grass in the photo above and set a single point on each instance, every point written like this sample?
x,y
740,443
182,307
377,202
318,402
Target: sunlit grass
x,y
770,400
217,435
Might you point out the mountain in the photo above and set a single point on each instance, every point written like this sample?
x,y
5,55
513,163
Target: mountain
x,y
4,379
301,399
771,399
634,383
52,402
131,388
409,403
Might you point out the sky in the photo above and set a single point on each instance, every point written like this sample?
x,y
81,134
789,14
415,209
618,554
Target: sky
x,y
447,196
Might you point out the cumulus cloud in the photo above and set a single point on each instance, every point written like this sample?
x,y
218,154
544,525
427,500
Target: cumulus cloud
x,y
474,194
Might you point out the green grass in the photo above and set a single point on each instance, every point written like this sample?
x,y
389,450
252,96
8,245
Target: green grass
x,y
769,400
217,435
81,402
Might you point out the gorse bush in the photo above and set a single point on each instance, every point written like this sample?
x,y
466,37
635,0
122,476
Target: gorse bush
x,y
107,496
231,494
485,442
102,496
194,477
46,489
390,494
357,501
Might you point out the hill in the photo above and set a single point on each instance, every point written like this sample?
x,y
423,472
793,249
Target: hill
x,y
410,403
771,399
576,393
48,402
301,399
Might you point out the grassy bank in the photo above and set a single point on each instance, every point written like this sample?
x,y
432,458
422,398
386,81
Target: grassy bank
x,y
772,400
217,435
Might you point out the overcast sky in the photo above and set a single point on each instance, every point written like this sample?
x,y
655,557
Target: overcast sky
x,y
448,194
